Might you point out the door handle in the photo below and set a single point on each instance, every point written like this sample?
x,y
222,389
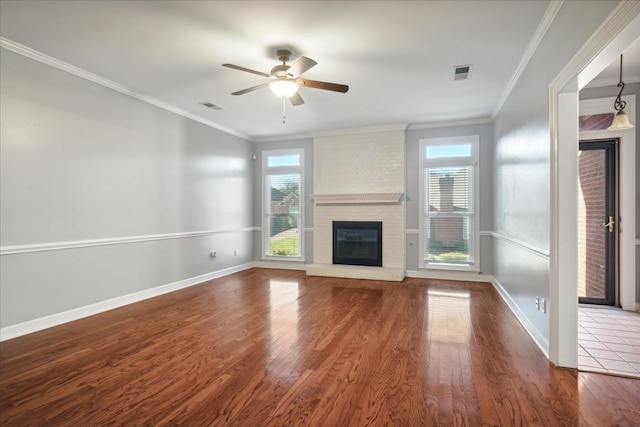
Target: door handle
x,y
609,224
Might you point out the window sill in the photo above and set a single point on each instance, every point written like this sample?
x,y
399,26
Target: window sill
x,y
283,259
451,267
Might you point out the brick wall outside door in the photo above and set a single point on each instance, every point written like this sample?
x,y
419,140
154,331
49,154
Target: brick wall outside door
x,y
591,213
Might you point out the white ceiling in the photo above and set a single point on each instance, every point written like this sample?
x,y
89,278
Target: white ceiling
x,y
397,57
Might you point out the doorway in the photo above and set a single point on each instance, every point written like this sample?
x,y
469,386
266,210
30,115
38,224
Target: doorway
x,y
619,31
597,222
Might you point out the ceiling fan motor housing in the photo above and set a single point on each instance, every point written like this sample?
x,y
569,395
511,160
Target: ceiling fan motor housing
x,y
280,71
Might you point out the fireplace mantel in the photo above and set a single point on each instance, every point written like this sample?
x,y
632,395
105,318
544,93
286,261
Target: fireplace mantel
x,y
360,198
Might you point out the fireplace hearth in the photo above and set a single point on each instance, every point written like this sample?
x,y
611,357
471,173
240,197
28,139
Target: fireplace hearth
x,y
357,243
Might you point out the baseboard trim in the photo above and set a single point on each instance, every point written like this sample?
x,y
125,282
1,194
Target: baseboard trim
x,y
35,325
450,275
46,322
541,341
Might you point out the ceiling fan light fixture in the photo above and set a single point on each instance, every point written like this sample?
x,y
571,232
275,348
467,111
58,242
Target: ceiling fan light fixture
x,y
283,88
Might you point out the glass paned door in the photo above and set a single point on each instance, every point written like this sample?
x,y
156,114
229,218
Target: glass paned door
x,y
597,222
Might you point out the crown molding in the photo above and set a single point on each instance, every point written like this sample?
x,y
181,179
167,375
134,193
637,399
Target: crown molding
x,y
452,123
374,129
278,138
543,27
87,75
602,39
400,127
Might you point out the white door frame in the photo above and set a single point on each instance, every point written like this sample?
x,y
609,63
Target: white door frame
x,y
616,33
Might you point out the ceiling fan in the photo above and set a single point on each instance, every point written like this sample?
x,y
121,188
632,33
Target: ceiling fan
x,y
285,80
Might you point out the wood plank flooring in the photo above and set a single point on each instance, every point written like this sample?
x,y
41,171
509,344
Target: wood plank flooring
x,y
276,348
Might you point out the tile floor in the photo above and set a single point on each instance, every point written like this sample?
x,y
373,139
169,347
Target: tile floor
x,y
608,340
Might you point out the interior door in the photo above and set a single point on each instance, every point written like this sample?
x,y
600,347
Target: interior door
x,y
597,222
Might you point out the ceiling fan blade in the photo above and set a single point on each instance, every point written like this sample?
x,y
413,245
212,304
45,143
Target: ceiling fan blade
x,y
335,87
301,65
250,89
296,99
248,70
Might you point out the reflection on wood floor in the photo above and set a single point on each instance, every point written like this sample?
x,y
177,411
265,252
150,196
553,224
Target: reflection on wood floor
x,y
275,347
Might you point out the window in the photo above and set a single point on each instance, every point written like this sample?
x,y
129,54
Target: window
x,y
449,203
282,207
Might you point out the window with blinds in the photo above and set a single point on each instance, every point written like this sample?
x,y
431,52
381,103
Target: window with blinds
x,y
282,227
449,229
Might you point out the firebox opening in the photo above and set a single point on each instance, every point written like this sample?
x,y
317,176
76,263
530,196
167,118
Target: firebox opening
x,y
357,243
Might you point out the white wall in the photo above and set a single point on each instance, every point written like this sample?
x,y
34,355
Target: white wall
x,y
103,195
522,167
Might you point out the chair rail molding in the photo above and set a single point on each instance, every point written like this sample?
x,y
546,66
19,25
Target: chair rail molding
x,y
56,246
535,250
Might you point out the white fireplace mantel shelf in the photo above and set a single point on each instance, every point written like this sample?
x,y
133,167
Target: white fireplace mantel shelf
x,y
360,198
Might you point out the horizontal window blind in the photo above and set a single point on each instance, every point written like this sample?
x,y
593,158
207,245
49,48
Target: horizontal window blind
x,y
283,215
449,215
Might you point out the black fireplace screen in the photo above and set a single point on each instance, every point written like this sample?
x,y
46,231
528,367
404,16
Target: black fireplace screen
x,y
357,243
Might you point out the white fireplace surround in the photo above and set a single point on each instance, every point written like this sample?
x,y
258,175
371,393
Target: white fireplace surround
x,y
360,176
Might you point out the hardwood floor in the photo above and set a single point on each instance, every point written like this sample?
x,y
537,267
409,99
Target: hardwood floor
x,y
273,347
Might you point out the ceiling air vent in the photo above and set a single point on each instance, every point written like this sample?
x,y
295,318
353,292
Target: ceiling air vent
x,y
212,106
461,72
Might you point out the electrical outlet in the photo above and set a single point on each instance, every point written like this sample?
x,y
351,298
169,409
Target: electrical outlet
x,y
538,303
543,306
213,255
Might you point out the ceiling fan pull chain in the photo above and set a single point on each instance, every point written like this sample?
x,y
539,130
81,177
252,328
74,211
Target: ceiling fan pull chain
x,y
284,110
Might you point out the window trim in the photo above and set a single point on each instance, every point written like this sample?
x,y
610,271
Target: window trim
x,y
266,170
473,161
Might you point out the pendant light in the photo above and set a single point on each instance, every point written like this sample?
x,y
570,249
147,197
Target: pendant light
x,y
621,120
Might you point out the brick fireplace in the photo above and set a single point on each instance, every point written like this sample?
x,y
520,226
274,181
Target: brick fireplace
x,y
360,176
